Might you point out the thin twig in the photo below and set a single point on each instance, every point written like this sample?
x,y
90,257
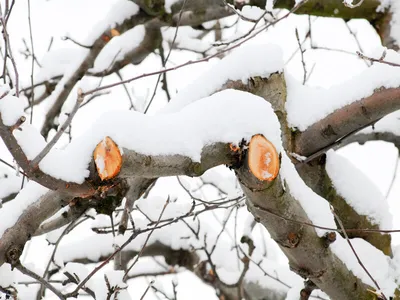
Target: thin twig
x,y
35,162
196,61
42,281
302,57
147,289
147,239
168,55
379,60
67,38
126,91
33,60
355,252
10,55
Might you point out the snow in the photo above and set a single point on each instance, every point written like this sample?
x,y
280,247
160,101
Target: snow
x,y
54,64
358,190
119,46
390,123
12,210
101,165
394,8
306,105
223,179
269,5
168,5
185,39
115,280
120,11
235,115
7,276
243,63
9,184
373,259
11,109
267,161
254,12
316,207
294,292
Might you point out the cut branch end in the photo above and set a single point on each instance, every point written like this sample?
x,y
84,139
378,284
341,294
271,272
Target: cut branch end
x,y
108,159
263,158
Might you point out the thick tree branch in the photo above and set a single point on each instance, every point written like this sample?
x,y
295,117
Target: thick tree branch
x,y
151,41
74,212
14,238
315,176
146,166
306,252
347,119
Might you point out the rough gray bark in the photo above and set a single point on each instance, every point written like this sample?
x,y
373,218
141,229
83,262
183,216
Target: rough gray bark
x,y
346,120
13,240
307,253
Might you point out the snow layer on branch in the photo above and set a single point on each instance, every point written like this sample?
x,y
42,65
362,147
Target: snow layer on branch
x,y
168,5
358,190
226,117
394,7
243,63
316,207
54,63
377,263
118,47
121,10
8,185
12,210
254,12
306,105
186,39
11,109
390,123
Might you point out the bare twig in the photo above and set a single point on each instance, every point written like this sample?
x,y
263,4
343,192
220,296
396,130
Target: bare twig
x,y
147,289
196,61
33,60
355,252
67,38
378,60
168,55
35,162
302,57
42,281
10,55
147,239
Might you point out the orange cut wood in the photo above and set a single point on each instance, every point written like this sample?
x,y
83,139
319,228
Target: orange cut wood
x,y
108,159
263,159
114,32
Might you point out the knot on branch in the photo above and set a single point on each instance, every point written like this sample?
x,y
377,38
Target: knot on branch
x,y
182,258
13,254
293,239
110,197
329,238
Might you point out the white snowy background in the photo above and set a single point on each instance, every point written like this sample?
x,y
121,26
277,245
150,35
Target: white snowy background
x,y
333,71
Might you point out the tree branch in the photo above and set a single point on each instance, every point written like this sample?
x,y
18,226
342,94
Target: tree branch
x,y
14,238
347,119
307,255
